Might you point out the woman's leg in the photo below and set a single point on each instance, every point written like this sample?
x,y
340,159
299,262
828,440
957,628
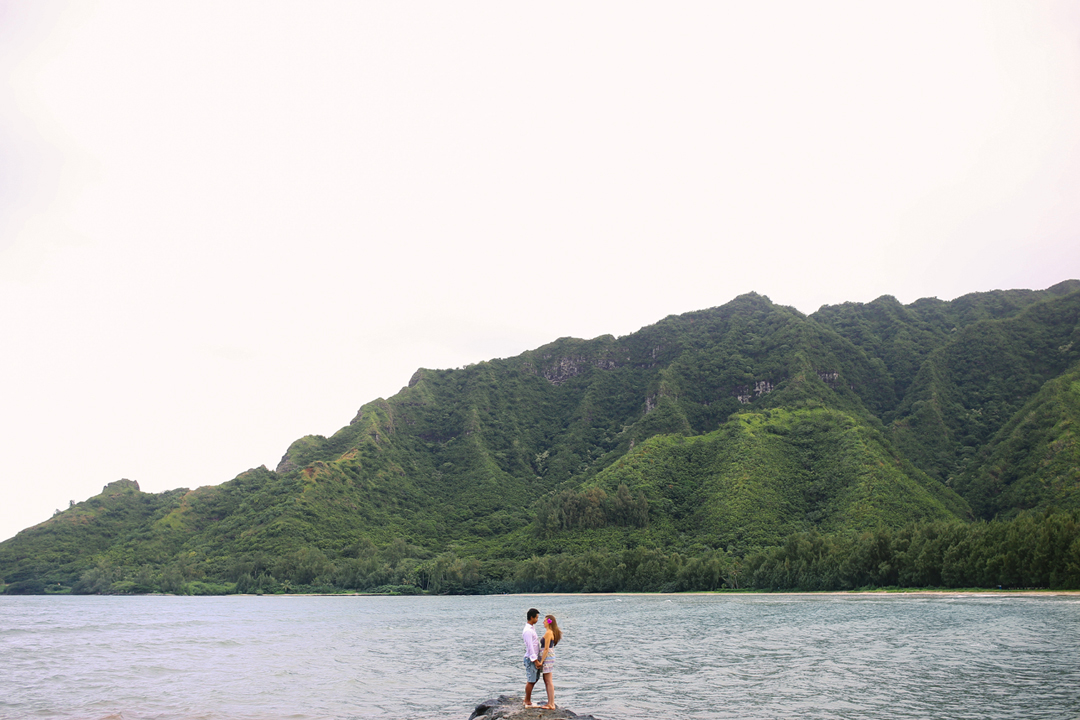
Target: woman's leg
x,y
550,691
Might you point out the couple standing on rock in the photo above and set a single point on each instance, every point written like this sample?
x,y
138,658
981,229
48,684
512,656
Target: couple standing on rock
x,y
540,655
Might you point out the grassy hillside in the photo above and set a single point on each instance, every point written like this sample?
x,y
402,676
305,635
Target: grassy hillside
x,y
1034,460
970,387
761,477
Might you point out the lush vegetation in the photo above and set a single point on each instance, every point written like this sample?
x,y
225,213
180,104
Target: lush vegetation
x,y
748,445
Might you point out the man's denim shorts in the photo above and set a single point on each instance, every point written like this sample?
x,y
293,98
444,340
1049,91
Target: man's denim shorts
x,y
532,673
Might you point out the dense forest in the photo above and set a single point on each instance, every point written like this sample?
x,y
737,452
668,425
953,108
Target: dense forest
x,y
744,446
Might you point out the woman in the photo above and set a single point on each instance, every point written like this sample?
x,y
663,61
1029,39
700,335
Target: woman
x,y
552,636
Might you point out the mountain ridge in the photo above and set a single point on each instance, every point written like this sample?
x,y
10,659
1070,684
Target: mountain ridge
x,y
722,430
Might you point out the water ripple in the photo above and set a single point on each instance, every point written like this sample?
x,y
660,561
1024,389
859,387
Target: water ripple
x,y
623,658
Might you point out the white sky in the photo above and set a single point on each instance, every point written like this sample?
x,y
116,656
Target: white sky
x,y
226,225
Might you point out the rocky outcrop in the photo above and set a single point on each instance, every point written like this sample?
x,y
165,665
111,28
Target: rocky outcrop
x,y
507,707
286,465
748,393
557,370
117,487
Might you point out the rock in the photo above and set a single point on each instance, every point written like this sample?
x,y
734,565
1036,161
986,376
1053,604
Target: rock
x,y
120,486
506,707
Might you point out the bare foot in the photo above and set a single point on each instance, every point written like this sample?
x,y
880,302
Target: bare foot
x,y
550,706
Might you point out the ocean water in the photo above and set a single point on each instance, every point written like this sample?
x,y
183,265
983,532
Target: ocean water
x,y
623,657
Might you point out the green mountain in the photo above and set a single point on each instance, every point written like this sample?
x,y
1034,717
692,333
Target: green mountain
x,y
969,388
668,454
1033,461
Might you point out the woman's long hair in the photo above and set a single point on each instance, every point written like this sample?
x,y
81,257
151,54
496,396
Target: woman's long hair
x,y
549,620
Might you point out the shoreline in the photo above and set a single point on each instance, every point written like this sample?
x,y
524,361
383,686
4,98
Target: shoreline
x,y
893,592
725,593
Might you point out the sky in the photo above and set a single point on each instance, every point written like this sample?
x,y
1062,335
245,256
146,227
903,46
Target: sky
x,y
227,225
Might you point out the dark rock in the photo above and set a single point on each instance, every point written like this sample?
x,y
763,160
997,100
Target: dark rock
x,y
506,707
286,465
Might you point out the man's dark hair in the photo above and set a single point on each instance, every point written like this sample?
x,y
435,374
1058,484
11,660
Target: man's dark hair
x,y
533,612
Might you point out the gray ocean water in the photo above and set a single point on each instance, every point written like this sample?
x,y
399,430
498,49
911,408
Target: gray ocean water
x,y
623,657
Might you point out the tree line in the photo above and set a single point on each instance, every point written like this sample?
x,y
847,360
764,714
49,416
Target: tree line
x,y
1033,550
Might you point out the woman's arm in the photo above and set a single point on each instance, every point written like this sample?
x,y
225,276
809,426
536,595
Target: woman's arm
x,y
546,642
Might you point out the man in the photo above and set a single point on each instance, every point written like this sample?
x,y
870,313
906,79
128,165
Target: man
x,y
532,654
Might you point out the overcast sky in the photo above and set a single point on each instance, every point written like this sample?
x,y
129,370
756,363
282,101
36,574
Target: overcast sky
x,y
226,225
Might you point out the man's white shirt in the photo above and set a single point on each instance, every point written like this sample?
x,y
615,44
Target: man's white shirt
x,y
532,642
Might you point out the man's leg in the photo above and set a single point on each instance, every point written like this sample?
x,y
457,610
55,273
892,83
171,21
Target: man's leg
x,y
530,669
528,693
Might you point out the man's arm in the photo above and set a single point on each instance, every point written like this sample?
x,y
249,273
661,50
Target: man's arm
x,y
532,644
